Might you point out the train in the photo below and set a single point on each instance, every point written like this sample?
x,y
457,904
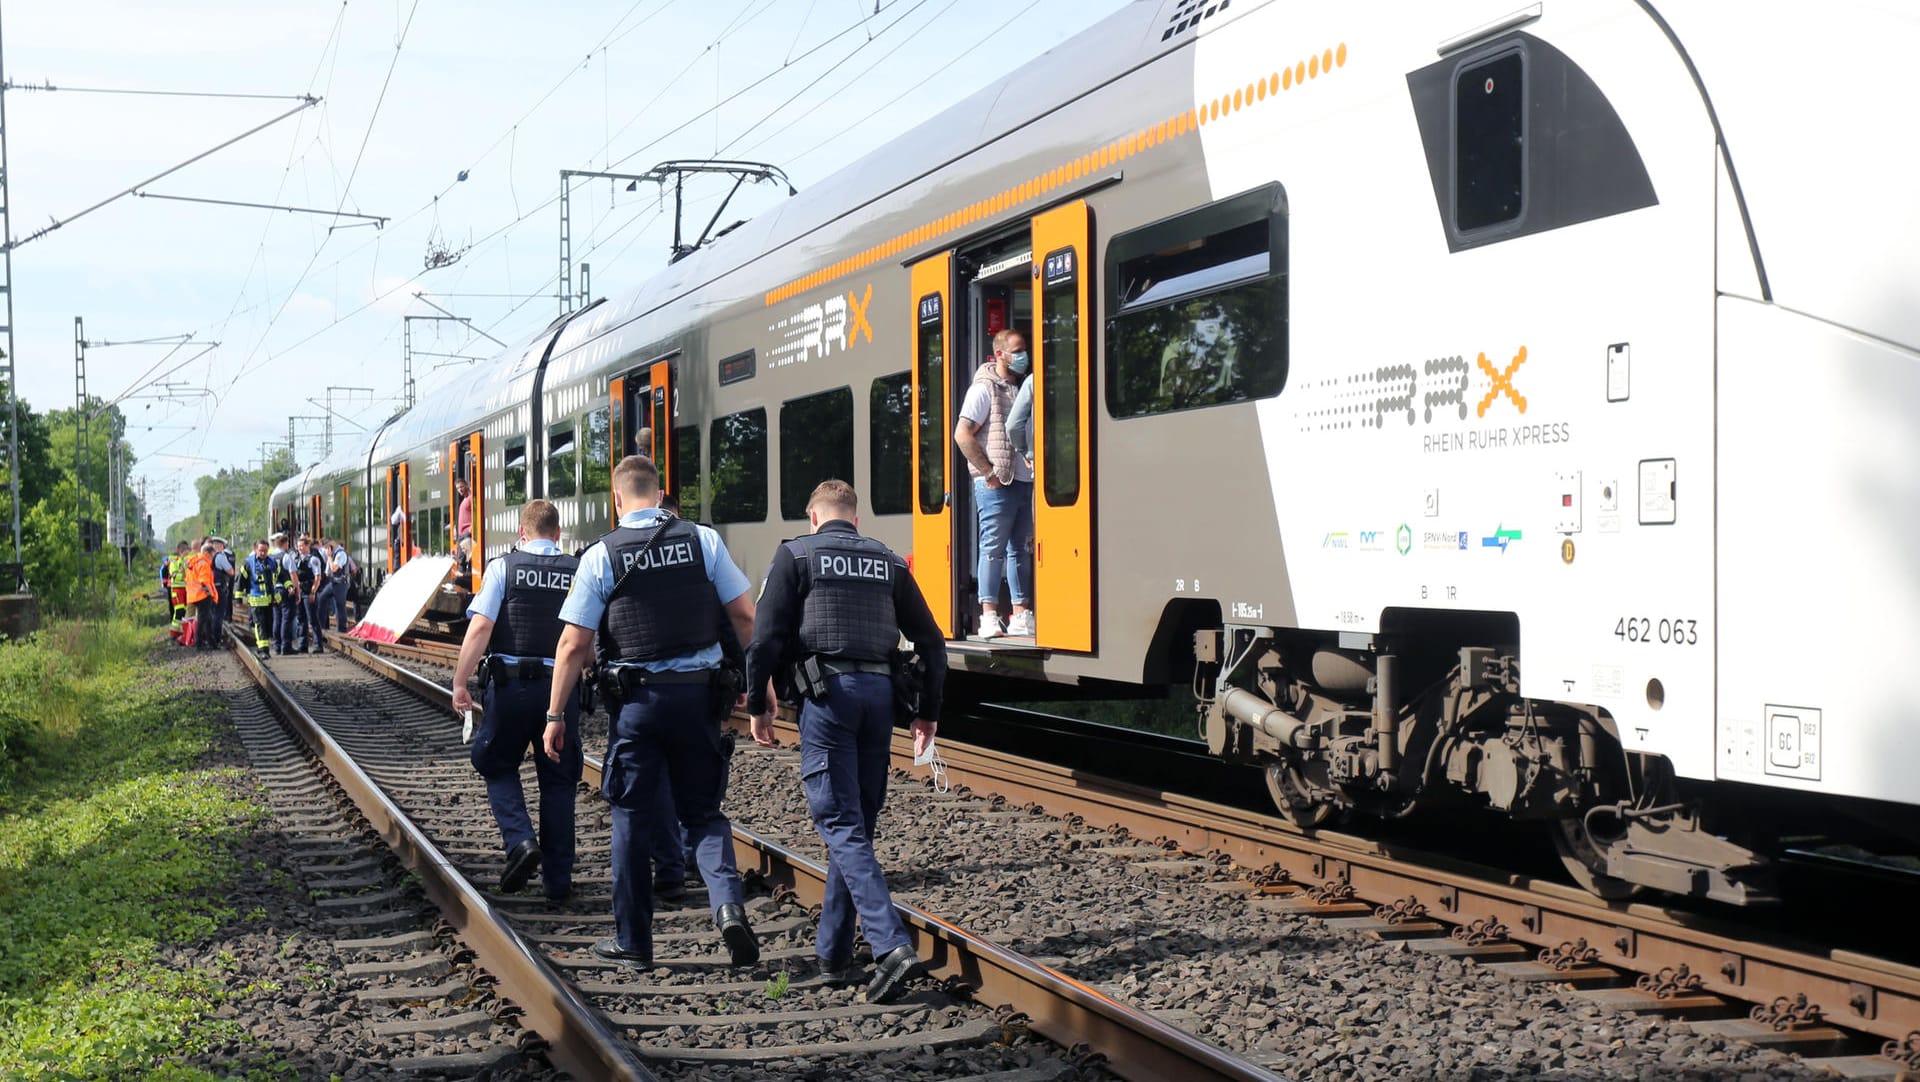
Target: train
x,y
1485,408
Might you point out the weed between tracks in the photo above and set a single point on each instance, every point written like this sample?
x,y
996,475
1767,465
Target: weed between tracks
x,y
112,846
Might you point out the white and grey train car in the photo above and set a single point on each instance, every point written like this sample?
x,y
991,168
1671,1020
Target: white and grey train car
x,y
1480,408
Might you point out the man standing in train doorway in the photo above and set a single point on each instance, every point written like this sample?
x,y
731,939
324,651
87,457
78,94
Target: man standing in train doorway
x,y
1002,486
659,589
832,612
515,621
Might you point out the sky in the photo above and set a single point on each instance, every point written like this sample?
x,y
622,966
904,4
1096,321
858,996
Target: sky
x,y
414,92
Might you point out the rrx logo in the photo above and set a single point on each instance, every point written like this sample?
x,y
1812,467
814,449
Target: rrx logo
x,y
1447,378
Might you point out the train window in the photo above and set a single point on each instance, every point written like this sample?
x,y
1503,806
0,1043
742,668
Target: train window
x,y
816,443
686,470
932,365
596,474
1489,142
1060,336
516,471
889,445
739,474
1199,305
560,461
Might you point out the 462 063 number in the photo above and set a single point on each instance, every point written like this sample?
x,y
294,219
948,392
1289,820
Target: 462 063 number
x,y
1669,632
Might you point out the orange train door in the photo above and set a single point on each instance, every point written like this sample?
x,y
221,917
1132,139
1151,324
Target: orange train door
x,y
316,519
642,418
463,461
616,435
660,381
932,558
1063,429
343,521
400,545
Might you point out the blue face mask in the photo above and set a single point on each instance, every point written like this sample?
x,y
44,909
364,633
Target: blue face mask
x,y
1019,363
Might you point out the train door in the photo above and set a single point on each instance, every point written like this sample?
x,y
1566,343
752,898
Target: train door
x,y
316,517
1062,429
399,518
465,462
343,528
932,556
646,402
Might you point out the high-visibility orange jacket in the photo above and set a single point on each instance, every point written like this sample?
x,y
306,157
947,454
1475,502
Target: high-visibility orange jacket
x,y
200,579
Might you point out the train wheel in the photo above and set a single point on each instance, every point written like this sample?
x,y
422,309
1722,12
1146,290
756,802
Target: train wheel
x,y
1291,795
1586,861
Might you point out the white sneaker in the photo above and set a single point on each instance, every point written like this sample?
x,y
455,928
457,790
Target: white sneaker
x,y
1021,626
990,625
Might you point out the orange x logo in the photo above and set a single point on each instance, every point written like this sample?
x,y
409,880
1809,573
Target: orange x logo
x,y
1502,381
857,314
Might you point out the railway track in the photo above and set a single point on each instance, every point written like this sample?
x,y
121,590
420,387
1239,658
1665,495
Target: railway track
x,y
403,768
1850,1012
1855,1014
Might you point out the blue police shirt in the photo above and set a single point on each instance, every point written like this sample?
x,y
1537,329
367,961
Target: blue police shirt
x,y
593,586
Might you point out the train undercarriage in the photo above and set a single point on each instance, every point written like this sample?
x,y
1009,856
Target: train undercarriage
x,y
1394,726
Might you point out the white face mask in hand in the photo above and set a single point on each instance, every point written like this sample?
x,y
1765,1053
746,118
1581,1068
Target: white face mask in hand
x,y
931,757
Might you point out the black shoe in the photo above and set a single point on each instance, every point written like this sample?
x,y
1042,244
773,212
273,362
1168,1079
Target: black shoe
x,y
610,950
557,897
669,890
522,861
738,935
836,973
890,974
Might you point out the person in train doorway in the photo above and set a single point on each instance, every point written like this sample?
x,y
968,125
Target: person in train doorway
x,y
659,590
1002,485
177,587
463,523
257,577
333,596
396,535
286,596
514,621
203,596
834,607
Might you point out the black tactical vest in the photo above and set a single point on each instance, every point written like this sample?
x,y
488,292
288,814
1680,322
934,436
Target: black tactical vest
x,y
303,566
663,604
846,589
528,624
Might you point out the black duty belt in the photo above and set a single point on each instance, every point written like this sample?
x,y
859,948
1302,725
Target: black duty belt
x,y
631,677
838,666
526,668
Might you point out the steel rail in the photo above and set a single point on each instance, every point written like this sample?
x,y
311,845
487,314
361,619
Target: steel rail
x,y
1851,990
1136,1045
579,1040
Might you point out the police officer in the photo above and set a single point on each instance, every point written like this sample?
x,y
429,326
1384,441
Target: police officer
x,y
658,588
515,621
310,569
258,577
286,600
834,606
223,583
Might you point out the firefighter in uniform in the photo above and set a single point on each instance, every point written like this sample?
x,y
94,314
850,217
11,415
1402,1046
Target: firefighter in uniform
x,y
257,575
515,621
658,589
833,609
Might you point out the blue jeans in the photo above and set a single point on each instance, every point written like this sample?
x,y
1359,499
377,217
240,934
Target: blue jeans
x,y
515,717
843,768
283,618
333,606
1006,525
666,735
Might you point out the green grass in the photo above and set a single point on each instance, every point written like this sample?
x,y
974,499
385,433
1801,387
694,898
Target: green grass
x,y
113,844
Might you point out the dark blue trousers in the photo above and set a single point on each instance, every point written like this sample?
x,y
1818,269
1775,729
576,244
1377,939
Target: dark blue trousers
x,y
516,716
283,624
667,730
843,767
333,607
669,838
